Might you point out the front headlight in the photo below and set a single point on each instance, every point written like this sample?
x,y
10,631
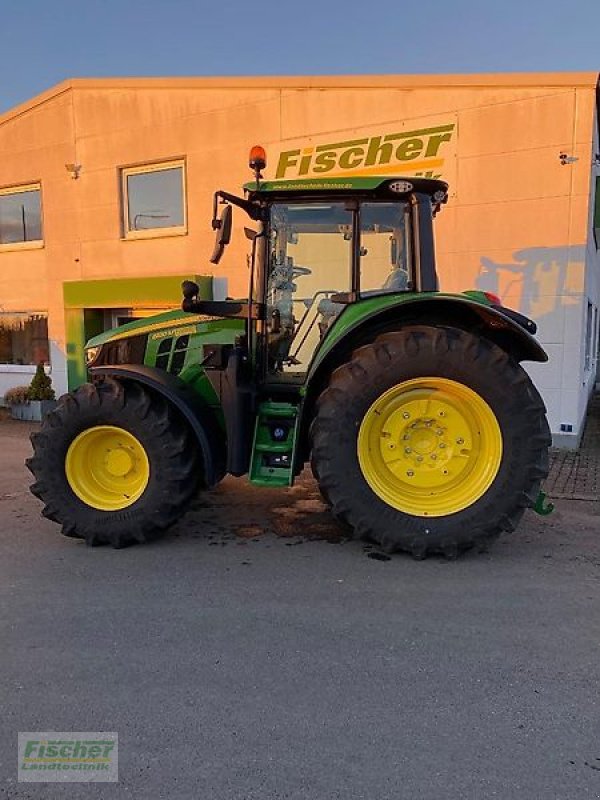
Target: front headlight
x,y
91,354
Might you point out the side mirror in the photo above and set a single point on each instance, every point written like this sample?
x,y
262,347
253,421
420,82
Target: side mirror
x,y
223,237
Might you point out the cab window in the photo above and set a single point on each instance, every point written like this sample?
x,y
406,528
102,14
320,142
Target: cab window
x,y
384,248
310,258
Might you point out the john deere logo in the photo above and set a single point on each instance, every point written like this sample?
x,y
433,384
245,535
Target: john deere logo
x,y
417,152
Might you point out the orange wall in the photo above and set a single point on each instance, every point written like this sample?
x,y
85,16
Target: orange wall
x,y
508,189
516,221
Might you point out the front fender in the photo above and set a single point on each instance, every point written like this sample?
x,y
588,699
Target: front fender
x,y
200,417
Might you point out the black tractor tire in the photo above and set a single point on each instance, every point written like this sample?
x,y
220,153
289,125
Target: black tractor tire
x,y
421,351
166,439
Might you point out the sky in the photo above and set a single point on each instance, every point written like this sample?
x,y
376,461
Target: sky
x,y
43,42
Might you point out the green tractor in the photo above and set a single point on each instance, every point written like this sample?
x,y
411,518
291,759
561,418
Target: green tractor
x,y
423,431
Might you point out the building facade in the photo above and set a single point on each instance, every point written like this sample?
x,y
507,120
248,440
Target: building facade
x,y
106,199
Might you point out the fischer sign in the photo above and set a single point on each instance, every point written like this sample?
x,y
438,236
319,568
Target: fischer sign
x,y
418,152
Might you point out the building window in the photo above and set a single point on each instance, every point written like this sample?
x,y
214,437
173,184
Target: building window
x,y
23,338
20,216
154,200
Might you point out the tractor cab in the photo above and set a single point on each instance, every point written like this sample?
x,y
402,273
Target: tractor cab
x,y
320,246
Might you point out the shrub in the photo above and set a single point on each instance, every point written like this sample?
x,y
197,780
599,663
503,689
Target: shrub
x,y
40,387
16,396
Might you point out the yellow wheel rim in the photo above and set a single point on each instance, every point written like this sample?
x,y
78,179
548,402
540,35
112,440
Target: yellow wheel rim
x,y
429,447
107,468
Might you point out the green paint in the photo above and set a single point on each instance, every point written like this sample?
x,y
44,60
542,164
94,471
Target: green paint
x,y
153,324
196,377
210,331
127,292
75,334
446,129
355,314
541,507
84,299
409,149
319,184
262,473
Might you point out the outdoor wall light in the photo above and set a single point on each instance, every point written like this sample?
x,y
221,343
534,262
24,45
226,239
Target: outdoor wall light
x,y
74,169
565,159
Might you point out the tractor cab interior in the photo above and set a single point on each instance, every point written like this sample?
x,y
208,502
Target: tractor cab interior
x,y
321,256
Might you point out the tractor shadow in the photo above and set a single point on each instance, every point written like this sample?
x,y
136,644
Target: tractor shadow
x,y
236,512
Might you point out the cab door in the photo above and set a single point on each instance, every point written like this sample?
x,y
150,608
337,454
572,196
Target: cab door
x,y
310,257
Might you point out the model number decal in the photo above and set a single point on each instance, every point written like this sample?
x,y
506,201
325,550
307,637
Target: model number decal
x,y
173,332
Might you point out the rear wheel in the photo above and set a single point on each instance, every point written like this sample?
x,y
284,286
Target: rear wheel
x,y
430,440
113,464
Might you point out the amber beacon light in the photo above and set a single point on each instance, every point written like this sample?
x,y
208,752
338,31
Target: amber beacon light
x,y
257,160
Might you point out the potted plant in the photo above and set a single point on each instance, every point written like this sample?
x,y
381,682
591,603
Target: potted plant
x,y
16,399
33,401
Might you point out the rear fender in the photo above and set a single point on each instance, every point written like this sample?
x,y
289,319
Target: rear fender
x,y
202,420
362,322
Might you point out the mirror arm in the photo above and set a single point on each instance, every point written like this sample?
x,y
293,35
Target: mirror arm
x,y
252,209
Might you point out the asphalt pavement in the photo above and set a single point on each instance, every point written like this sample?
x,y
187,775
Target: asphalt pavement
x,y
255,653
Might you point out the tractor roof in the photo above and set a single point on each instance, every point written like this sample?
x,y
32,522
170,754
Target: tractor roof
x,y
377,186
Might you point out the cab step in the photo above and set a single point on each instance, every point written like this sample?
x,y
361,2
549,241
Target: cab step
x,y
272,461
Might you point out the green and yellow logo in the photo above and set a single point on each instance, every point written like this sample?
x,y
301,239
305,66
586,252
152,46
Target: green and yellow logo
x,y
75,757
68,754
418,152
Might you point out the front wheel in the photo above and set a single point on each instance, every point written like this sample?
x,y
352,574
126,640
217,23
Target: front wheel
x,y
113,464
430,440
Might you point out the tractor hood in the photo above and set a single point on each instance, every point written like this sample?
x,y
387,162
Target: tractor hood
x,y
161,323
153,341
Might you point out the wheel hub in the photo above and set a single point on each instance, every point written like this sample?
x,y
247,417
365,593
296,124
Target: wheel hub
x,y
429,446
119,462
107,468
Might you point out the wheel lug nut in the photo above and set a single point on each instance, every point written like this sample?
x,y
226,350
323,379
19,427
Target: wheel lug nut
x,y
410,473
407,450
439,432
419,458
442,413
460,440
406,415
433,455
442,445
